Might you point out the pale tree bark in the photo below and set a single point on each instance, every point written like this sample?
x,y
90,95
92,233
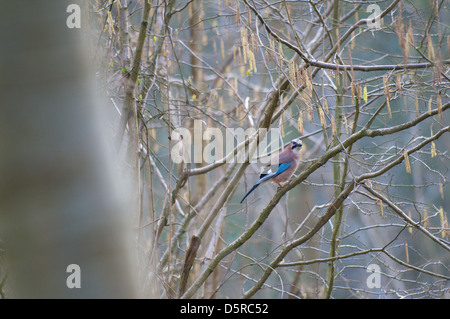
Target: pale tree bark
x,y
58,201
122,8
197,33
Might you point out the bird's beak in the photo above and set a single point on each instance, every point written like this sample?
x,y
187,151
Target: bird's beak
x,y
296,143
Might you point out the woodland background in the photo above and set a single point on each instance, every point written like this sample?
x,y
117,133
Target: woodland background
x,y
370,105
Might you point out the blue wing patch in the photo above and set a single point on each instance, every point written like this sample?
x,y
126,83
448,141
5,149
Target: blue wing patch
x,y
266,176
282,168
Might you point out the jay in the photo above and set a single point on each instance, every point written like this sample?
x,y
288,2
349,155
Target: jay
x,y
285,164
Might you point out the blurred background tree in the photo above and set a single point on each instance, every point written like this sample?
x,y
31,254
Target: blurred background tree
x,y
60,200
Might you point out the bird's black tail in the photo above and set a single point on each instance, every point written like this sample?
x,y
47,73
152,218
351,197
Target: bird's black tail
x,y
251,190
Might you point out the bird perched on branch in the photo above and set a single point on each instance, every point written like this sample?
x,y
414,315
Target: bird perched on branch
x,y
284,164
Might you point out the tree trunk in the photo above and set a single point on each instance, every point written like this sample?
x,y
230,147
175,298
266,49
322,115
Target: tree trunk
x,y
58,201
